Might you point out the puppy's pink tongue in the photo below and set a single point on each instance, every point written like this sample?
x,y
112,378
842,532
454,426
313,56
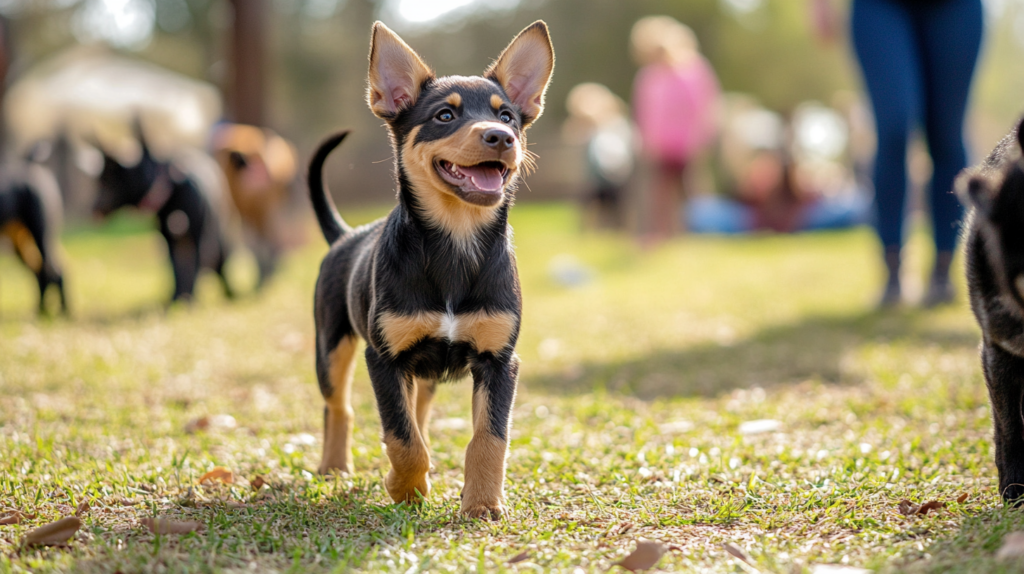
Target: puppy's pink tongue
x,y
484,178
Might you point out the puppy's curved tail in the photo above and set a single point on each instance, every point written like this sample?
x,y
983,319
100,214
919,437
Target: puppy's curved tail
x,y
331,223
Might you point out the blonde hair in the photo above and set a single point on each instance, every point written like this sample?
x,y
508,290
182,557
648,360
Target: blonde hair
x,y
662,39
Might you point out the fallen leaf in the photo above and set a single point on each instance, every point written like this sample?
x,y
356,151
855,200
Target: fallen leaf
x,y
257,483
908,508
646,555
54,533
519,557
220,474
1012,548
201,423
930,505
962,498
168,526
82,509
736,551
13,518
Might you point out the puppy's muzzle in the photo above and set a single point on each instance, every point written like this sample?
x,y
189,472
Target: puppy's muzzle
x,y
500,139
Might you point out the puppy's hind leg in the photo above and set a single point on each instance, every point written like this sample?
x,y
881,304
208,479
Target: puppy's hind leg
x,y
494,392
407,480
335,372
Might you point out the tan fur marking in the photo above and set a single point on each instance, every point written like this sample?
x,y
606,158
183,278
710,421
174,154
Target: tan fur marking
x,y
496,101
487,331
24,245
483,493
454,99
339,421
440,205
424,398
401,331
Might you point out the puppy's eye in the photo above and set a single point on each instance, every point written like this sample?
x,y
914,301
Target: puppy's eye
x,y
505,117
445,115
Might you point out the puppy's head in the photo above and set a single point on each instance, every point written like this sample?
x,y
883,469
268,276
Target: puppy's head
x,y
460,141
995,194
120,185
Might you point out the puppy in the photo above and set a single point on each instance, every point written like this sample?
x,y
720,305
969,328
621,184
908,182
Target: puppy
x,y
31,211
260,166
433,287
178,195
994,192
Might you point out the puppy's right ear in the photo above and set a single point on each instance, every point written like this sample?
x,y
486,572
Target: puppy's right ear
x,y
396,74
1020,134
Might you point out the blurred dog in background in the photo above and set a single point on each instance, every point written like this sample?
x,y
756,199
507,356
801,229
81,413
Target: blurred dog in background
x,y
31,214
260,167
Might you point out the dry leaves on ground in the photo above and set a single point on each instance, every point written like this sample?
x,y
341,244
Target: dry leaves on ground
x,y
257,483
82,509
167,526
908,508
519,557
737,552
646,555
218,474
14,517
962,498
54,533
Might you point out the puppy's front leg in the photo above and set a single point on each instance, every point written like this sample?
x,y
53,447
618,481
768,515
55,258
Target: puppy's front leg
x,y
1003,375
396,398
494,391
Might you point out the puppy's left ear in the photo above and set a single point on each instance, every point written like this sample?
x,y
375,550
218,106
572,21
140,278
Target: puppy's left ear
x,y
524,70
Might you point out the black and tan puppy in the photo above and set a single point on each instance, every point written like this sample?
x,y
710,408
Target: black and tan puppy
x,y
187,218
432,288
30,216
995,278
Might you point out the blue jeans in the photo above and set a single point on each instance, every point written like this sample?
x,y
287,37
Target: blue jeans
x,y
918,60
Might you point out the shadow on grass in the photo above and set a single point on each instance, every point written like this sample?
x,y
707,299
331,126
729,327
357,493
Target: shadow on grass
x,y
812,348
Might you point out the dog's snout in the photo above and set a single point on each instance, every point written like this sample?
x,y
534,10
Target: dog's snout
x,y
500,139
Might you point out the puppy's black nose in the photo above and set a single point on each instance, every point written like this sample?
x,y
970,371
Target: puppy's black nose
x,y
500,139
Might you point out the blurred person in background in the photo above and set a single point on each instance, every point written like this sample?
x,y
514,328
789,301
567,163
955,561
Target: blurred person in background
x,y
675,104
599,121
918,59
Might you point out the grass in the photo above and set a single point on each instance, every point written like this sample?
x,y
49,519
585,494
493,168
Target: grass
x,y
634,389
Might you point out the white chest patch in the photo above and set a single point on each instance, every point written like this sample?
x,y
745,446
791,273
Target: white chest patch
x,y
448,327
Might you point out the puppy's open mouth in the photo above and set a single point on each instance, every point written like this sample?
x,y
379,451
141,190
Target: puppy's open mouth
x,y
481,183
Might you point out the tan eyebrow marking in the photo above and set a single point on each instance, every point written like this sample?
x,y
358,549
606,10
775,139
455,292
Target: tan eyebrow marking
x,y
496,101
454,99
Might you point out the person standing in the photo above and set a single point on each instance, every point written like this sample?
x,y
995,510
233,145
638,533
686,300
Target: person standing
x,y
918,59
675,104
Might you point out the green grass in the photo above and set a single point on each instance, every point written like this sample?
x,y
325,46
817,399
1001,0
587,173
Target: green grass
x,y
627,426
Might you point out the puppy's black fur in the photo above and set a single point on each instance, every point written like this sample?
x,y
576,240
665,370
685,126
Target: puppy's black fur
x,y
187,219
432,288
994,191
30,215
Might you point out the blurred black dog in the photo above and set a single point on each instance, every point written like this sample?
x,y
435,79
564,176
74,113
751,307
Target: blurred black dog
x,y
187,217
433,287
31,211
994,191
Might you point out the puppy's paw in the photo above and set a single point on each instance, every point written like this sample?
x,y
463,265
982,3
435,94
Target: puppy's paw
x,y
412,488
484,511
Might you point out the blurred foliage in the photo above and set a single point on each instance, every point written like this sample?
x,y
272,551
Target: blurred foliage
x,y
318,50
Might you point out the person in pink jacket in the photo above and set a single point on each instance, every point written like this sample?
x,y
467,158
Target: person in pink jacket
x,y
675,104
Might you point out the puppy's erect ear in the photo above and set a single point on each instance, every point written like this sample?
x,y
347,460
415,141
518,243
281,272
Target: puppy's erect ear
x,y
396,74
524,70
977,191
